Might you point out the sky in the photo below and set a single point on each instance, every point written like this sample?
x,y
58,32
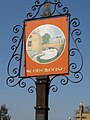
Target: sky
x,y
65,101
53,30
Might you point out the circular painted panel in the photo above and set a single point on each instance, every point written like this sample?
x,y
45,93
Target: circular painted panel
x,y
45,44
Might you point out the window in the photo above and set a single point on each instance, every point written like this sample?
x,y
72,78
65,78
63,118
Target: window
x,y
29,43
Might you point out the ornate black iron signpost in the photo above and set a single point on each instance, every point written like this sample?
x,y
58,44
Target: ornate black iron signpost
x,y
43,49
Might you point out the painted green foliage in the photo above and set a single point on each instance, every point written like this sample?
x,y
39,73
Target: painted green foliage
x,y
45,38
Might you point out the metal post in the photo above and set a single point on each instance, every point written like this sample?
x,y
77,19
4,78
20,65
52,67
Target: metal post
x,y
0,113
42,92
42,85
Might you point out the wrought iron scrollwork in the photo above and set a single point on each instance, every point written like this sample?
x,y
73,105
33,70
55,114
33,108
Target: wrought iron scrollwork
x,y
48,8
43,9
16,55
54,88
14,63
75,56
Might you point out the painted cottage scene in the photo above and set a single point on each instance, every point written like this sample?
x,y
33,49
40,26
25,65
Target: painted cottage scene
x,y
45,44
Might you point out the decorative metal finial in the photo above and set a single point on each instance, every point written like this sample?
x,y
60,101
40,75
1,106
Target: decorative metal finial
x,y
46,11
